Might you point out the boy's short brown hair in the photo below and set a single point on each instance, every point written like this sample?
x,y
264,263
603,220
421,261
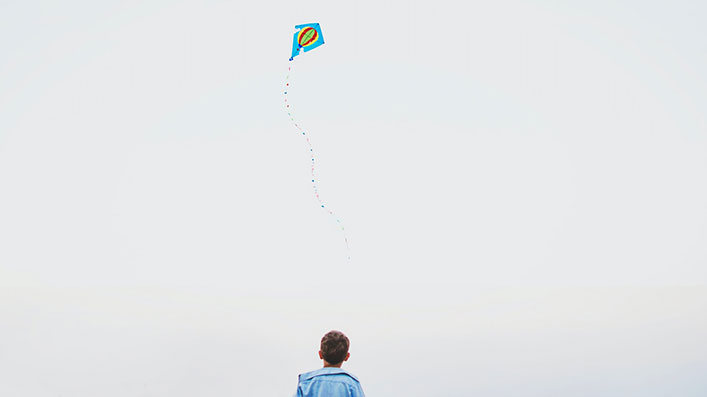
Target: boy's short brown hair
x,y
334,347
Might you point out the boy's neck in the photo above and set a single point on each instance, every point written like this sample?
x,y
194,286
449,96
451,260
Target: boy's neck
x,y
327,365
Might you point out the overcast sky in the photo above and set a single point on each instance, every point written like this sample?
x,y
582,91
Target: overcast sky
x,y
156,201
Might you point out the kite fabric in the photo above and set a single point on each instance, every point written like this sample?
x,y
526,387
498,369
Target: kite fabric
x,y
308,37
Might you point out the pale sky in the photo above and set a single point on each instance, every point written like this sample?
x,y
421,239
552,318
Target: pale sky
x,y
153,191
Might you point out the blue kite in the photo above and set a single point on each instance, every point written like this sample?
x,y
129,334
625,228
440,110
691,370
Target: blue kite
x,y
307,37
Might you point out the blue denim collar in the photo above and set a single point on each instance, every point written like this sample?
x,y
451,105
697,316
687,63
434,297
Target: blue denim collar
x,y
326,371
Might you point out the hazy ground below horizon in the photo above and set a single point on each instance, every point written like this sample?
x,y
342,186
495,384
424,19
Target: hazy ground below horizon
x,y
540,341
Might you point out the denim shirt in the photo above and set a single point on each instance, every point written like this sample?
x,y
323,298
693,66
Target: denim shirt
x,y
328,382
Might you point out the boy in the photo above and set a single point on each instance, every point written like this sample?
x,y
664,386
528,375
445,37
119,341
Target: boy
x,y
330,381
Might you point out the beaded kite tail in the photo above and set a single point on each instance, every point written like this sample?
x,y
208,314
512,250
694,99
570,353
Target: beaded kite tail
x,y
311,153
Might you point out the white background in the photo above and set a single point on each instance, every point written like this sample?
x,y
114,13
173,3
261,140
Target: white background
x,y
523,190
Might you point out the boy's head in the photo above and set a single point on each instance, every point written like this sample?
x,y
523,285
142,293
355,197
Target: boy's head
x,y
334,349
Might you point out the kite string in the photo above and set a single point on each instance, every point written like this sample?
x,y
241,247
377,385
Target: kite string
x,y
312,169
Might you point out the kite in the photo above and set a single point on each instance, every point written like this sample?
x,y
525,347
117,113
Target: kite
x,y
308,37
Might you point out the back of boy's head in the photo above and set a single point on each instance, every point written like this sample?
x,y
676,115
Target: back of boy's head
x,y
334,347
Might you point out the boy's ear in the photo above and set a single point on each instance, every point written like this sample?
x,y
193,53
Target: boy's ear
x,y
321,357
347,356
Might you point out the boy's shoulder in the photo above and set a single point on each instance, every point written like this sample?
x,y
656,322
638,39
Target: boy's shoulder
x,y
329,382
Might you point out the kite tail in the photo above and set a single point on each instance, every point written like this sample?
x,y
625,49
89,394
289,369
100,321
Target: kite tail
x,y
312,170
